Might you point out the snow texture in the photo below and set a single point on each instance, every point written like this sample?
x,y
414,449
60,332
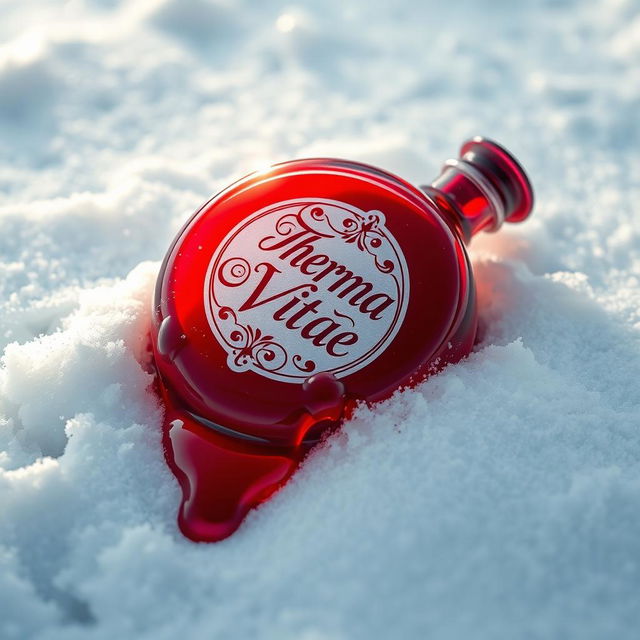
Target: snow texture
x,y
498,499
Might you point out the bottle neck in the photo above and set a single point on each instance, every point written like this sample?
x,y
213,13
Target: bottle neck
x,y
482,189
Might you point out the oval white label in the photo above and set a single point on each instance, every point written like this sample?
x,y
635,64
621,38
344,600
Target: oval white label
x,y
304,286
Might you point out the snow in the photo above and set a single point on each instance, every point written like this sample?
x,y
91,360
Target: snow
x,y
498,499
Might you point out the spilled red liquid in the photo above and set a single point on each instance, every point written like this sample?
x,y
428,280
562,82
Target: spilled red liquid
x,y
221,479
224,475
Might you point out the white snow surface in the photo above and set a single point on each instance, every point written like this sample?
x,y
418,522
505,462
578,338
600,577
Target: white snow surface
x,y
499,499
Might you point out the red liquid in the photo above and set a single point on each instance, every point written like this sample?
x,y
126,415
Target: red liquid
x,y
298,292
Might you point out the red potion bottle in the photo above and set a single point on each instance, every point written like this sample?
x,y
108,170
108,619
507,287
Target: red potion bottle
x,y
300,291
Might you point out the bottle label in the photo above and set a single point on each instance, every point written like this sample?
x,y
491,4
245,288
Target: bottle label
x,y
304,286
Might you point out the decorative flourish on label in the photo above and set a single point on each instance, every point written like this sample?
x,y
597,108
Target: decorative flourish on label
x,y
234,272
249,347
363,231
